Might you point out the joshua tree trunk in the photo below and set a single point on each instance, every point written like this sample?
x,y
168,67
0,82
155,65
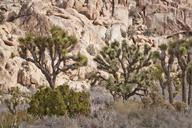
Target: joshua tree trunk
x,y
184,89
189,80
169,81
166,69
163,92
162,87
190,94
170,89
51,82
183,65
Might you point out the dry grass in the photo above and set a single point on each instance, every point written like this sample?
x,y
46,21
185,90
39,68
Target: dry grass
x,y
131,114
8,120
122,115
127,107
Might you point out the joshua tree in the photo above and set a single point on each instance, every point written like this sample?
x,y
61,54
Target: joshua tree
x,y
179,51
179,54
52,54
126,66
183,52
166,67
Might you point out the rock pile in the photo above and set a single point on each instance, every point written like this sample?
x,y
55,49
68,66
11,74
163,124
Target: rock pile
x,y
92,21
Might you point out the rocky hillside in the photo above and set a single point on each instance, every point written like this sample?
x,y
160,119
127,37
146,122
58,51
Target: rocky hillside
x,y
93,22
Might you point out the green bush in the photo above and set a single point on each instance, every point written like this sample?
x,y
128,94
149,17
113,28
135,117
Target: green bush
x,y
59,101
47,102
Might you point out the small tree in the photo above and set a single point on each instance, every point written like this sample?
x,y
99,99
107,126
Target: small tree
x,y
127,66
58,47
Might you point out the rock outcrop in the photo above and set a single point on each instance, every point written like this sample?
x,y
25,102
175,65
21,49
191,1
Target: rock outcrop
x,y
92,21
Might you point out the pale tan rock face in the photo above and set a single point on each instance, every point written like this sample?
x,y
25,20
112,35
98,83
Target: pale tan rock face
x,y
29,75
92,21
166,17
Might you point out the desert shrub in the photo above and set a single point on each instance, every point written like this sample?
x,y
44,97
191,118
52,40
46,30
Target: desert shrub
x,y
77,102
100,98
14,100
8,120
59,101
1,17
127,106
147,101
180,106
54,122
47,102
155,100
